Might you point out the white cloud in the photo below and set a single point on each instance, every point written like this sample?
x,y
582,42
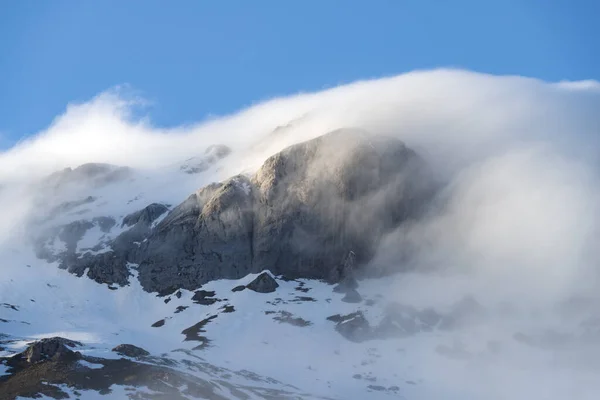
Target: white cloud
x,y
520,156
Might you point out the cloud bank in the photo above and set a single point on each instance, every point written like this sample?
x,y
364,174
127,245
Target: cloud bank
x,y
517,220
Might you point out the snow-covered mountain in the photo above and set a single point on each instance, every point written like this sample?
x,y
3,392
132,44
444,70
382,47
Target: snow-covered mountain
x,y
310,260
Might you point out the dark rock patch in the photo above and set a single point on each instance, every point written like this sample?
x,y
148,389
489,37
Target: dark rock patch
x,y
264,283
180,309
204,297
48,377
228,309
354,327
288,318
301,288
130,350
146,215
277,301
303,299
158,323
398,321
56,348
10,306
238,288
193,333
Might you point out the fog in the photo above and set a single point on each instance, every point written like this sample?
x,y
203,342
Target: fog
x,y
515,226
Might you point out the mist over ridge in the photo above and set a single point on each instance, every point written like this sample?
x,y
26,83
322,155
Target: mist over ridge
x,y
510,234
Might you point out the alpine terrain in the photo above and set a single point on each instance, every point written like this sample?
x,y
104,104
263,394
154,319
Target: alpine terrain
x,y
402,238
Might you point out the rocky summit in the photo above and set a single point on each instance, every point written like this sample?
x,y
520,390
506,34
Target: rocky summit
x,y
298,216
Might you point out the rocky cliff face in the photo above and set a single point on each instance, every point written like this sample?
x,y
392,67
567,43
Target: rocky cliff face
x,y
299,216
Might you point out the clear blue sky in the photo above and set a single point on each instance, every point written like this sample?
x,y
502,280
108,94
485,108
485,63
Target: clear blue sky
x,y
194,58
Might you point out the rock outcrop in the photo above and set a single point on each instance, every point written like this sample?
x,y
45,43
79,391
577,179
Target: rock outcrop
x,y
298,216
264,283
301,215
56,349
207,237
130,350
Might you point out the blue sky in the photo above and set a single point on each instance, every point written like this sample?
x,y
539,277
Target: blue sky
x,y
195,58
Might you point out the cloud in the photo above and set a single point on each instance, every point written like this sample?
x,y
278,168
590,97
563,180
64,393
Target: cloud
x,y
517,221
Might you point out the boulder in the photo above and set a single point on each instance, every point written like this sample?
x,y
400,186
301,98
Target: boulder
x,y
264,283
130,350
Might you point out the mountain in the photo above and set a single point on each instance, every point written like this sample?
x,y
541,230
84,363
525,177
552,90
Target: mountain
x,y
162,284
250,246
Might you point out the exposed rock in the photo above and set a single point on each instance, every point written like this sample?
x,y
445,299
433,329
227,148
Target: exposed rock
x,y
152,378
264,283
238,288
107,267
55,348
398,321
180,309
288,318
228,309
146,215
204,297
194,331
314,200
158,323
302,215
354,327
73,232
130,350
205,238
